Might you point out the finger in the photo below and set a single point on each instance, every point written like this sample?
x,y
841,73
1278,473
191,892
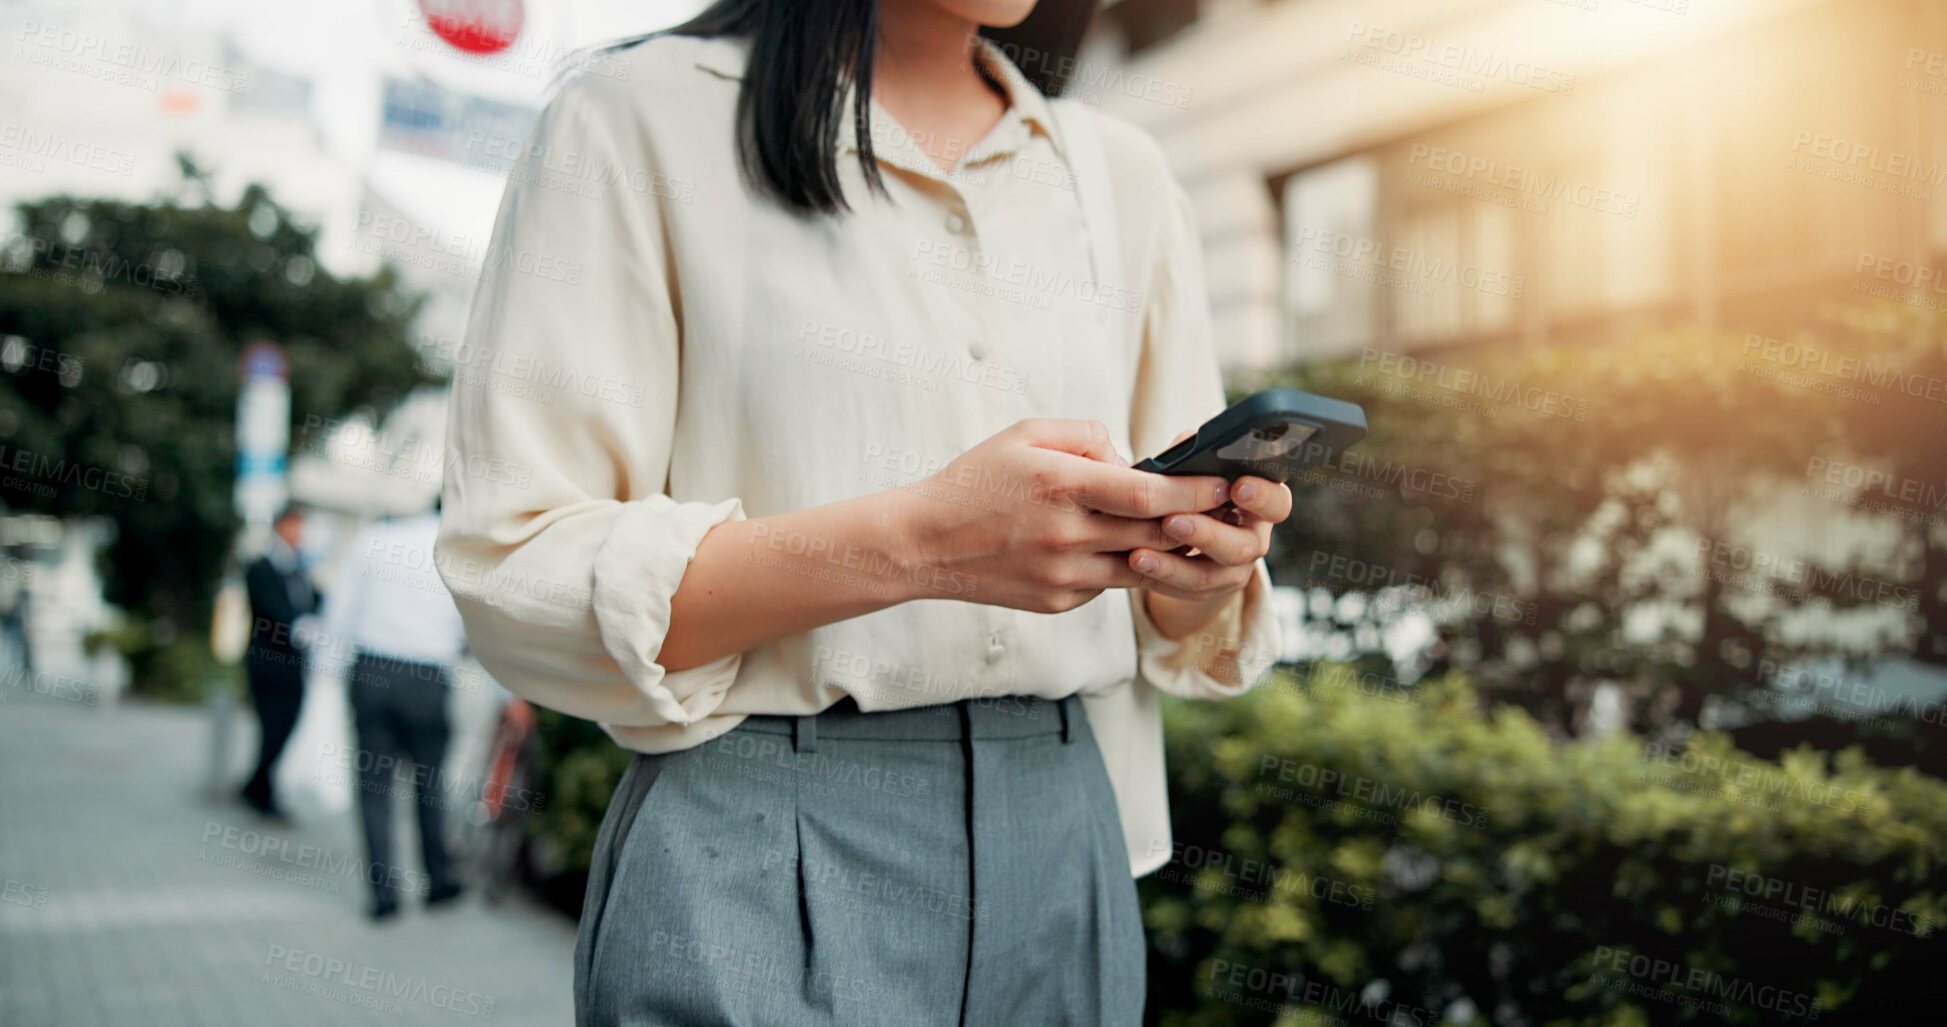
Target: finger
x,y
1105,570
1227,544
1265,500
1195,576
1108,533
1126,492
1079,438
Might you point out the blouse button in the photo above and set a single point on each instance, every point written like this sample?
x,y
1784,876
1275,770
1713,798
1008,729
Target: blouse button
x,y
995,650
977,348
955,223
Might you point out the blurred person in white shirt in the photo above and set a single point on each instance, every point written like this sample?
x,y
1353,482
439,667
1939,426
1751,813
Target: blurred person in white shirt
x,y
391,619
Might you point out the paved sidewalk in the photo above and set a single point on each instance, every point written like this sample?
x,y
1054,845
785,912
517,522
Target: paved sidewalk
x,y
126,898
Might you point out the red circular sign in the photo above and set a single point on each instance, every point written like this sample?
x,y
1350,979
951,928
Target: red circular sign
x,y
475,26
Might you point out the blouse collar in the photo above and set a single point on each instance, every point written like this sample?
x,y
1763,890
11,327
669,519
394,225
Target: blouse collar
x,y
1028,112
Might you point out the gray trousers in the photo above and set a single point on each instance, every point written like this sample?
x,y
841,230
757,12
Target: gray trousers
x,y
956,864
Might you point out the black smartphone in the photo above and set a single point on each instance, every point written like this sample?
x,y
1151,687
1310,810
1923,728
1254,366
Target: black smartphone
x,y
1273,434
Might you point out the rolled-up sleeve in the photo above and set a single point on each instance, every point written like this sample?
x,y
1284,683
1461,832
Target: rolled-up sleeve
x,y
558,540
1178,386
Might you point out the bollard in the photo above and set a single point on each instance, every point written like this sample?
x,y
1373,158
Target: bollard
x,y
220,703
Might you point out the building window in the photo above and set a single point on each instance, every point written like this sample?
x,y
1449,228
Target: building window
x,y
1330,219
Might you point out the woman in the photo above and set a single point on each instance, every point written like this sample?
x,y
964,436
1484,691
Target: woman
x,y
791,444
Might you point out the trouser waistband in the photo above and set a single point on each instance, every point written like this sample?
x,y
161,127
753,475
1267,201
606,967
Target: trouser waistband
x,y
995,717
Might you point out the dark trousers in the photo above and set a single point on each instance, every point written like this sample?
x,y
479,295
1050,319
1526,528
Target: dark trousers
x,y
276,694
399,712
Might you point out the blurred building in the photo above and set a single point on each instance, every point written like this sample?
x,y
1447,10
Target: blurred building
x,y
99,101
1408,175
385,126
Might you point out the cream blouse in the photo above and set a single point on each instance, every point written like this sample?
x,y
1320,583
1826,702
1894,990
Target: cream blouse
x,y
655,349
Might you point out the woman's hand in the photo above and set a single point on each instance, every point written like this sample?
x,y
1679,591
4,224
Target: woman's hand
x,y
1045,516
1214,556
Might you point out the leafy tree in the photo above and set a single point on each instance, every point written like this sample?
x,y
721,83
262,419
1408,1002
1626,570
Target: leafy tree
x,y
1901,353
1572,514
121,325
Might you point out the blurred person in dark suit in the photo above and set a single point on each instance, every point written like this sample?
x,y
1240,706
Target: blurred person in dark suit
x,y
391,614
280,593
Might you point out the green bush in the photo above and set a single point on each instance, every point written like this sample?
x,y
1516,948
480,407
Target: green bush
x,y
1353,855
165,666
580,769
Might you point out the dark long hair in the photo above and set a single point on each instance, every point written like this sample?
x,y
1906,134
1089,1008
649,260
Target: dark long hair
x,y
803,56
